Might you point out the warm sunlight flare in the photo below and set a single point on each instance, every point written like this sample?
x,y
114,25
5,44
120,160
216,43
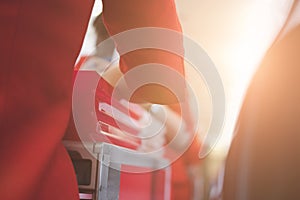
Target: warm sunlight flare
x,y
235,34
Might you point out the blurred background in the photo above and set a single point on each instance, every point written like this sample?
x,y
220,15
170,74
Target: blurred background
x,y
235,34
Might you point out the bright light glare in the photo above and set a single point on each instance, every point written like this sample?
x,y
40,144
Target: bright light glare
x,y
235,34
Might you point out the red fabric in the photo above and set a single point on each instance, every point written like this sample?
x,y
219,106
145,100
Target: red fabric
x,y
119,17
40,41
135,186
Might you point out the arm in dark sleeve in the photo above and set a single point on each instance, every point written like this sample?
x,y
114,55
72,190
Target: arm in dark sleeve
x,y
119,16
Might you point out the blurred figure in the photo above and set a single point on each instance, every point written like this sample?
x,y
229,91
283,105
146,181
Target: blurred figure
x,y
263,161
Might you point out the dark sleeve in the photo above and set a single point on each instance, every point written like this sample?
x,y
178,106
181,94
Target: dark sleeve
x,y
119,16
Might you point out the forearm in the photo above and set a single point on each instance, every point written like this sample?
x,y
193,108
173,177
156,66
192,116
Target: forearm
x,y
119,16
